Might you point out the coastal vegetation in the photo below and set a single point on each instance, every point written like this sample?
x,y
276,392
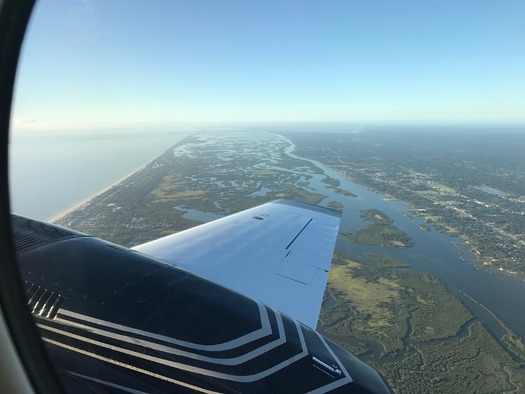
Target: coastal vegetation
x,y
194,174
513,341
471,364
387,262
424,227
335,205
426,340
333,184
388,306
380,231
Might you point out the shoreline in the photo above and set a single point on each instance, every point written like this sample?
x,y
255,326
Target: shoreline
x,y
60,215
86,200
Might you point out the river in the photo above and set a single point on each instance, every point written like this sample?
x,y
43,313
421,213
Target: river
x,y
444,256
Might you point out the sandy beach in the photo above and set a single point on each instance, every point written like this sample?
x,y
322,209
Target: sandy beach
x,y
81,203
78,205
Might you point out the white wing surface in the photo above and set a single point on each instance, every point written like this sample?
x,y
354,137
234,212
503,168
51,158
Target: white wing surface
x,y
278,253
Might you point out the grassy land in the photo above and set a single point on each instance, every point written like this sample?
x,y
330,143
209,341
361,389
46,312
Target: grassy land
x,y
383,301
334,185
441,188
387,262
335,205
367,306
345,193
331,182
380,231
474,364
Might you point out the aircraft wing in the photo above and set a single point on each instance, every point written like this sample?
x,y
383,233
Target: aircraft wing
x,y
278,253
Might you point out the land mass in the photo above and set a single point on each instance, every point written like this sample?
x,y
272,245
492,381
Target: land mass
x,y
380,231
387,262
203,174
421,338
406,324
465,182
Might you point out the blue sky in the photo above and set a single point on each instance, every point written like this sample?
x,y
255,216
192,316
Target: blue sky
x,y
103,63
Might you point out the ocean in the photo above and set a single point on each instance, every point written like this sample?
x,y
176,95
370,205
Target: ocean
x,y
49,173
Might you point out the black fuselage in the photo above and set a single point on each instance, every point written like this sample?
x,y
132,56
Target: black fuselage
x,y
116,320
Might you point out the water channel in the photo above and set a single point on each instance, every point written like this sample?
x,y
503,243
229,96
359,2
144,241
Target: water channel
x,y
439,254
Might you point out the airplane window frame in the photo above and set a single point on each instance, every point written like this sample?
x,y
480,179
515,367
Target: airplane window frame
x,y
26,342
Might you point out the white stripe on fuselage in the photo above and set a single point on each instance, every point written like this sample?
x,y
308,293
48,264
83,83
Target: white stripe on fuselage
x,y
130,367
166,349
185,367
263,331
